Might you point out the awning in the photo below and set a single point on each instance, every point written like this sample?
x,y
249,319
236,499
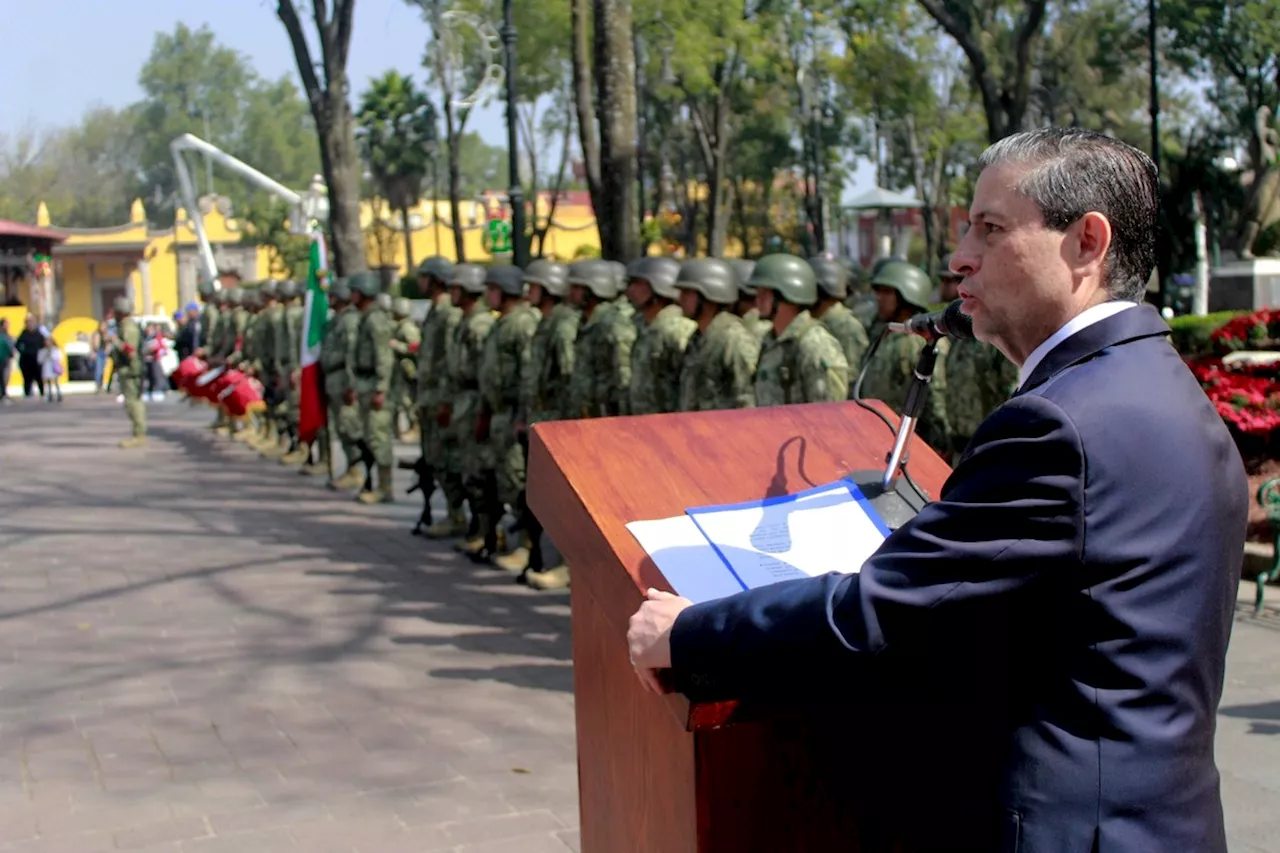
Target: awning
x,y
879,198
9,228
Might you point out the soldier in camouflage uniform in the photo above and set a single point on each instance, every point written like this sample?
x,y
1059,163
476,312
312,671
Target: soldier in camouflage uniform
x,y
372,366
208,316
337,360
404,343
460,398
719,370
262,363
253,304
979,377
746,305
126,357
289,365
903,289
230,348
861,301
830,310
800,361
602,359
507,355
545,395
659,351
439,326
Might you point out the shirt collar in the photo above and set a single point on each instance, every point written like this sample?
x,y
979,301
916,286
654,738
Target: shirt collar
x,y
1081,321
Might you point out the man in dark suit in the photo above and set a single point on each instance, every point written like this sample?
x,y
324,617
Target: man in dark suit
x,y
1082,558
191,336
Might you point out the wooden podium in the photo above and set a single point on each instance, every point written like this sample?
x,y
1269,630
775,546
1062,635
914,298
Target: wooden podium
x,y
662,774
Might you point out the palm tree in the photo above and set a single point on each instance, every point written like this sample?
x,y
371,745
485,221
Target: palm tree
x,y
398,138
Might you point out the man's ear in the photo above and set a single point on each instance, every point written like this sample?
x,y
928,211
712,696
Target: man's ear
x,y
1090,242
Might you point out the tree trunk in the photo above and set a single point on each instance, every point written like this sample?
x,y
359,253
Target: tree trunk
x,y
740,213
615,68
408,238
452,133
584,105
334,124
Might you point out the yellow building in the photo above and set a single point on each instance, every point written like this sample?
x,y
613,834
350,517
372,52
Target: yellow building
x,y
158,268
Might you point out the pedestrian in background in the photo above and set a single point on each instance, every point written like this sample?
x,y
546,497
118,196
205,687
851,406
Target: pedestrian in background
x,y
29,345
98,345
51,369
7,351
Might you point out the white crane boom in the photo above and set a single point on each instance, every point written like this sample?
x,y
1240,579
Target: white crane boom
x,y
189,142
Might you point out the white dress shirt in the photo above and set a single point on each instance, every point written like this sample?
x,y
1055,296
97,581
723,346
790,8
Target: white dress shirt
x,y
1081,321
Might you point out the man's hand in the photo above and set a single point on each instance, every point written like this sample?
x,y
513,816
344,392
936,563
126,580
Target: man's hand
x,y
649,635
377,401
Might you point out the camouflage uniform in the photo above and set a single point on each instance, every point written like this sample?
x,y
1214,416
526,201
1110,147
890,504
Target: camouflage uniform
x,y
439,449
720,367
507,357
337,360
656,362
546,388
404,343
465,352
126,357
979,379
288,360
804,364
209,316
849,333
372,366
889,375
756,325
602,361
269,371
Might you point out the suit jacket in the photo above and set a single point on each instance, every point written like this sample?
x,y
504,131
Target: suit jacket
x,y
1078,571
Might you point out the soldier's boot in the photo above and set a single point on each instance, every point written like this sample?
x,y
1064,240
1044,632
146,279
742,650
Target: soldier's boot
x,y
224,424
219,420
134,442
383,494
473,539
277,447
493,541
296,456
453,524
553,578
350,479
246,435
516,560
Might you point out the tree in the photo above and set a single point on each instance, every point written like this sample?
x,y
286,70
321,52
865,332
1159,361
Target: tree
x,y
398,137
999,39
1236,43
327,94
605,102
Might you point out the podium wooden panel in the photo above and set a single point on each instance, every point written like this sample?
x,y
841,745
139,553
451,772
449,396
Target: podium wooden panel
x,y
661,774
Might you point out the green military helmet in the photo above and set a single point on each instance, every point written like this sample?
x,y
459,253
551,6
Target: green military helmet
x,y
619,274
711,277
600,277
384,301
508,279
122,306
269,289
660,273
554,277
205,289
367,284
235,297
857,281
288,289
880,263
789,276
340,290
743,268
911,282
401,307
833,279
436,266
470,277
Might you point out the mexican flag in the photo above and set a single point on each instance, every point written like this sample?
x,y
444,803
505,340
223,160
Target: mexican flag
x,y
311,406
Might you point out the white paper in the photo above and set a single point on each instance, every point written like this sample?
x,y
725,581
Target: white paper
x,y
713,552
805,535
685,558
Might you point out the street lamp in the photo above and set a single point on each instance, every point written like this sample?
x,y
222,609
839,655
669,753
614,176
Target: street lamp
x,y
515,194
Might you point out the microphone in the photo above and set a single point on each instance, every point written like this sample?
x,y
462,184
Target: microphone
x,y
950,322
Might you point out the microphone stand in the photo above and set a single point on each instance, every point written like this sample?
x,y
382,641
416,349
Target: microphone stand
x,y
884,488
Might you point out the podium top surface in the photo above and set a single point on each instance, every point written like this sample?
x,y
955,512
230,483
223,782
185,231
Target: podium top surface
x,y
590,478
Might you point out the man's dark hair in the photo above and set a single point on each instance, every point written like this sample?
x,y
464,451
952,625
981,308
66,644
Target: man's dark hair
x,y
1075,171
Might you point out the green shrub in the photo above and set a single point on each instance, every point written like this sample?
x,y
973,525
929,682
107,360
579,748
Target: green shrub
x,y
1191,332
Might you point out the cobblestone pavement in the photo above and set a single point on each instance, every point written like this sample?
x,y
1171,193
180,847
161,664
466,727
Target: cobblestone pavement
x,y
203,652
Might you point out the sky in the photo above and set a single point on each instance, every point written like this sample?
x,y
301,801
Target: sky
x,y
78,54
